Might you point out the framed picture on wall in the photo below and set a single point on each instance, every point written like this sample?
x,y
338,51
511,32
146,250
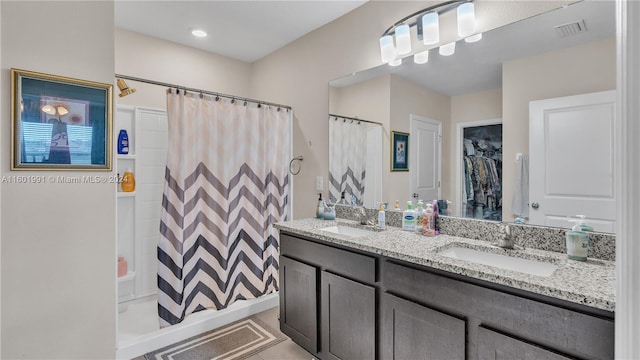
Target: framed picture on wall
x,y
399,151
60,123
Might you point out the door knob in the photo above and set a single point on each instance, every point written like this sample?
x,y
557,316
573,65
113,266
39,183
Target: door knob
x,y
535,205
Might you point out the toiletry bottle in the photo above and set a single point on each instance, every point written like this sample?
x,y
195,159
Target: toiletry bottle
x,y
381,220
320,207
122,266
409,218
419,215
397,205
123,142
435,217
427,224
128,181
577,242
343,201
329,212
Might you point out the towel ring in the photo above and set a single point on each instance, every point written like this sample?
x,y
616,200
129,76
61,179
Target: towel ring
x,y
299,158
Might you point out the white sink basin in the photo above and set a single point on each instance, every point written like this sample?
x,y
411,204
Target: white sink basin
x,y
348,231
532,267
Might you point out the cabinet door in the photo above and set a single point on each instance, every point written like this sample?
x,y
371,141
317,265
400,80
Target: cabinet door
x,y
298,303
347,319
496,346
411,331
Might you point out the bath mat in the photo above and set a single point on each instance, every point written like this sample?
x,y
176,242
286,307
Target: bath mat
x,y
235,341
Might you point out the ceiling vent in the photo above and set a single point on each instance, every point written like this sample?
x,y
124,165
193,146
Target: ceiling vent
x,y
571,29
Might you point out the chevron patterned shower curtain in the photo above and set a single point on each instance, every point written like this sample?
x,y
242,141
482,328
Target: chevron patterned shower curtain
x,y
226,183
347,158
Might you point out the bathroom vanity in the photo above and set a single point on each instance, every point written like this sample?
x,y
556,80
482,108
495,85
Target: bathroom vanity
x,y
391,294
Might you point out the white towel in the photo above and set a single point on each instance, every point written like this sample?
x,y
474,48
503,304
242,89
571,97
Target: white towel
x,y
520,203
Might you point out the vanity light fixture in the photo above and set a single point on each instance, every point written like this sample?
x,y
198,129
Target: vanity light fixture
x,y
421,57
395,62
448,49
473,38
396,40
199,33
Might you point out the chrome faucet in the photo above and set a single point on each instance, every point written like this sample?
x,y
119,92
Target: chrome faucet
x,y
504,240
364,219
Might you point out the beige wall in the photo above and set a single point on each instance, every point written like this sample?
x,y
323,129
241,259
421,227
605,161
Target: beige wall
x,y
409,98
146,57
298,74
483,105
58,240
577,70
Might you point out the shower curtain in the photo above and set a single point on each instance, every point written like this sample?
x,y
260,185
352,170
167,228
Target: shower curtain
x,y
347,159
226,183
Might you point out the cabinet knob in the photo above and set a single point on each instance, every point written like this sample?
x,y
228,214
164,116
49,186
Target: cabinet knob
x,y
535,205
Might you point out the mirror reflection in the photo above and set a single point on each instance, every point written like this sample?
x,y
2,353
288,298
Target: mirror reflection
x,y
548,84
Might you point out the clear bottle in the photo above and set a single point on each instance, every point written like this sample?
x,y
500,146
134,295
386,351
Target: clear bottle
x,y
409,218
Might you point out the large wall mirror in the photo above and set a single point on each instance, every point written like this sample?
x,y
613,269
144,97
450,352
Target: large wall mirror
x,y
530,105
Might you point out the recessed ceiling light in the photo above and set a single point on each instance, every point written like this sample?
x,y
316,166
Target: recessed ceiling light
x,y
198,33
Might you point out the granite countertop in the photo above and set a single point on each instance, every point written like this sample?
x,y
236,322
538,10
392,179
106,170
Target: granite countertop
x,y
590,283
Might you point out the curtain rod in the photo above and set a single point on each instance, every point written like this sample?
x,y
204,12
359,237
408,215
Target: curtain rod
x,y
355,119
239,98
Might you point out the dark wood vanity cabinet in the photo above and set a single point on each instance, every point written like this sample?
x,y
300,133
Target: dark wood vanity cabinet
x,y
298,302
411,331
328,299
343,304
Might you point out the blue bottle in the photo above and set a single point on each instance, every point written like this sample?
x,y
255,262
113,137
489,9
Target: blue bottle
x,y
123,142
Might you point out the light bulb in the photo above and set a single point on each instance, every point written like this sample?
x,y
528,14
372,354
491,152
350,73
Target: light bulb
x,y
430,28
421,57
403,39
448,49
466,19
473,38
387,50
198,33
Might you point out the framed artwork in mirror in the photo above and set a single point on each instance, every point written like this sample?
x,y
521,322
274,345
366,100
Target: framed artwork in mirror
x,y
60,123
399,151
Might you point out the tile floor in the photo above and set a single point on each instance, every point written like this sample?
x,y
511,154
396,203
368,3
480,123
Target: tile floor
x,y
286,350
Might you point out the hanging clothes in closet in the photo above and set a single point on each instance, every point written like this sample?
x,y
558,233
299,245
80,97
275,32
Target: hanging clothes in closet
x,y
482,164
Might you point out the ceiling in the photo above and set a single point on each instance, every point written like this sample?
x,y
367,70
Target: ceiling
x,y
478,66
243,30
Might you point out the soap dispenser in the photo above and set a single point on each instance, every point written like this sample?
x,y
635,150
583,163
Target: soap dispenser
x,y
577,242
320,207
409,218
583,224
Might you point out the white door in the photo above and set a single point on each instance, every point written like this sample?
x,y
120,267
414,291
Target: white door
x,y
424,158
571,154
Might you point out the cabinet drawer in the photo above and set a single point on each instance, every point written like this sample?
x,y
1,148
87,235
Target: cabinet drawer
x,y
568,331
351,265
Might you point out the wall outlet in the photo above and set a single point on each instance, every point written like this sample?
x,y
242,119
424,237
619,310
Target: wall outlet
x,y
319,183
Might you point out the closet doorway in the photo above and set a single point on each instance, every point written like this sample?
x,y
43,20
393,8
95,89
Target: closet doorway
x,y
480,170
